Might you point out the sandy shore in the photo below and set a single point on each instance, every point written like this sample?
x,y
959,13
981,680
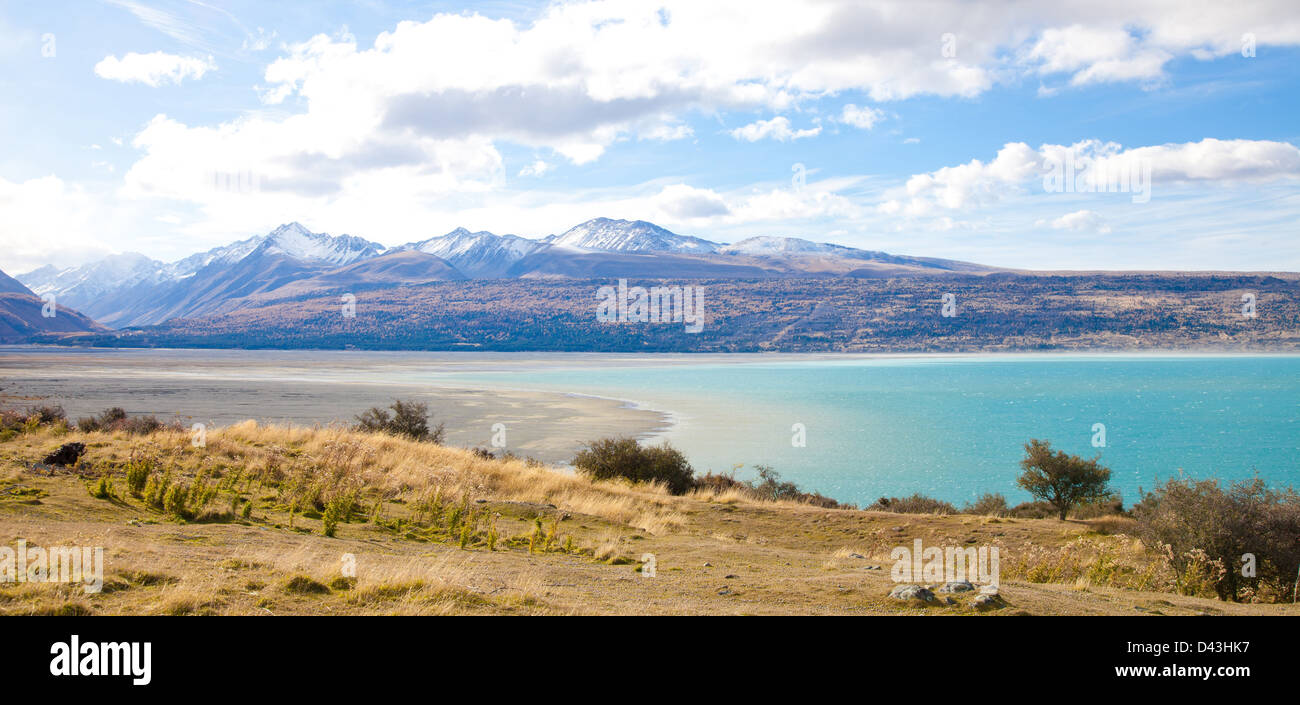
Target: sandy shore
x,y
217,391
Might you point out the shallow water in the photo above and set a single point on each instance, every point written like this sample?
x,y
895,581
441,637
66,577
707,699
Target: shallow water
x,y
953,427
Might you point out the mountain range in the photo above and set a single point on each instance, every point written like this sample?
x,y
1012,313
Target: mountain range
x,y
291,262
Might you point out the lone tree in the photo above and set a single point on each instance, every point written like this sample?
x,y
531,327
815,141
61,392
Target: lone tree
x,y
1062,480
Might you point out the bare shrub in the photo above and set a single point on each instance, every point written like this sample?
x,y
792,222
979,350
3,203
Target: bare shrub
x,y
1206,530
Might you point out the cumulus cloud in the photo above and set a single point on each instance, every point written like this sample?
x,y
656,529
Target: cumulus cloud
x,y
778,128
1096,55
155,69
1093,166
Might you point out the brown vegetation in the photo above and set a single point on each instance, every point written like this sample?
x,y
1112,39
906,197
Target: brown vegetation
x,y
266,519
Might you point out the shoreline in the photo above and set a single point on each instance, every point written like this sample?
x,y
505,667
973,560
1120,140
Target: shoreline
x,y
547,425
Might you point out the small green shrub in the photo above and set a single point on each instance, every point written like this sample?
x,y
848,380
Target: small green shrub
x,y
138,470
174,501
102,489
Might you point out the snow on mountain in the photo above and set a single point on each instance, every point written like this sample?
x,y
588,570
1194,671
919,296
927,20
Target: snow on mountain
x,y
126,289
769,246
293,240
131,289
226,254
631,236
79,286
481,255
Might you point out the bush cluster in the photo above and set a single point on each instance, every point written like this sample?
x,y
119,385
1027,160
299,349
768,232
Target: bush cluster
x,y
1241,537
610,458
407,418
116,419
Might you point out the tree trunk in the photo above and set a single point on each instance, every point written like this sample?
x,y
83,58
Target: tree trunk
x,y
1063,511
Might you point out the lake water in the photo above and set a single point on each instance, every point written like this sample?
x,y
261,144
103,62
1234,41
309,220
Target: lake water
x,y
953,427
949,426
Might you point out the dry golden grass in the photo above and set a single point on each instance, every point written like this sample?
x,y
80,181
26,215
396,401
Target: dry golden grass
x,y
714,553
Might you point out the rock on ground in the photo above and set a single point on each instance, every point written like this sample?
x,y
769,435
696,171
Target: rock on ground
x,y
912,592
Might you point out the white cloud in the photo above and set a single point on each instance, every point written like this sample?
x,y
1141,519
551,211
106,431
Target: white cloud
x,y
583,75
1017,168
385,140
778,128
682,202
1220,160
954,187
1081,220
1096,55
537,168
259,41
864,117
46,220
153,69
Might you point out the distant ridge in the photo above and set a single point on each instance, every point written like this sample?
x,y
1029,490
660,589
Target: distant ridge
x,y
22,315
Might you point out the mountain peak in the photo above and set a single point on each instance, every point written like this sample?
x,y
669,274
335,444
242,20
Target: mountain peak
x,y
631,236
291,226
296,241
477,254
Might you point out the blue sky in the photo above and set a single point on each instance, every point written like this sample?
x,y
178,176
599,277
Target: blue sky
x,y
172,126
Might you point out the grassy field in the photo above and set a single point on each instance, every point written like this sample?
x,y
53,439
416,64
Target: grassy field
x,y
241,528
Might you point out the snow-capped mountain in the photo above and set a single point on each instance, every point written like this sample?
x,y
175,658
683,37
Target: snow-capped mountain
x,y
132,289
630,236
292,262
480,255
293,240
79,287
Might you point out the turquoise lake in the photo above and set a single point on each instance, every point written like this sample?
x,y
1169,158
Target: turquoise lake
x,y
953,427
